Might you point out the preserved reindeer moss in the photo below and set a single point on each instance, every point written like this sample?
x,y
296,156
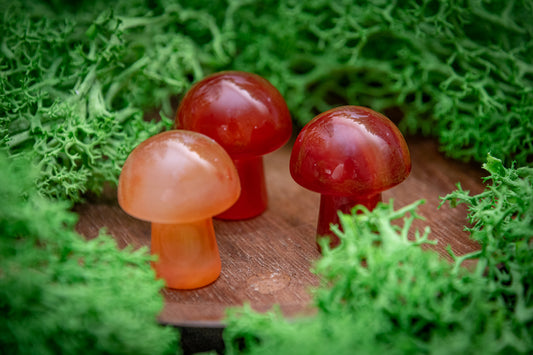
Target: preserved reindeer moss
x,y
382,292
458,70
61,294
80,78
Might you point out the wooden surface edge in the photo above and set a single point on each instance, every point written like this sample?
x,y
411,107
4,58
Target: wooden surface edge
x,y
266,260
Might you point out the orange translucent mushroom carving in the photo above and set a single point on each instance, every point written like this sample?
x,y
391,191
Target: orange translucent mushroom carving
x,y
178,180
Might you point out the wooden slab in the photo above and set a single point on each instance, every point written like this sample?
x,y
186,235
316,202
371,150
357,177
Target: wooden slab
x,y
266,260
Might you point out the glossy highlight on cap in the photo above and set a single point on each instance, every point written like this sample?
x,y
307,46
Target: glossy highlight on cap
x,y
177,176
242,111
350,150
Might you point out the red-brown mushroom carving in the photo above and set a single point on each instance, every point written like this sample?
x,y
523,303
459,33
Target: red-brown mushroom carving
x,y
349,155
247,116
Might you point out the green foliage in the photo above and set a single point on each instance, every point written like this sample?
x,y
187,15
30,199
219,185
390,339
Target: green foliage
x,y
382,293
60,294
78,79
502,222
459,70
74,86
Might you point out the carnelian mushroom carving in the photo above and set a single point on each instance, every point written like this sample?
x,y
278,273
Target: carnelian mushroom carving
x,y
248,116
178,180
349,155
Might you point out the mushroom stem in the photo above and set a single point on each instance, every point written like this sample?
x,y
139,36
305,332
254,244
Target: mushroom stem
x,y
330,205
253,199
187,253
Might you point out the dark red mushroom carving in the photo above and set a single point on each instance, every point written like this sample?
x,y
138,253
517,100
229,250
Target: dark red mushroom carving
x,y
349,155
247,116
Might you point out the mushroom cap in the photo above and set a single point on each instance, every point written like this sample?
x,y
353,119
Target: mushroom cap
x,y
242,111
177,177
350,150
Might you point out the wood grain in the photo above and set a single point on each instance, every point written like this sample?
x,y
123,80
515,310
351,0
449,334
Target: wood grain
x,y
266,260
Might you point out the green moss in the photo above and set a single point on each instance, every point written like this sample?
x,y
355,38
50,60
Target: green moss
x,y
61,294
382,292
78,79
